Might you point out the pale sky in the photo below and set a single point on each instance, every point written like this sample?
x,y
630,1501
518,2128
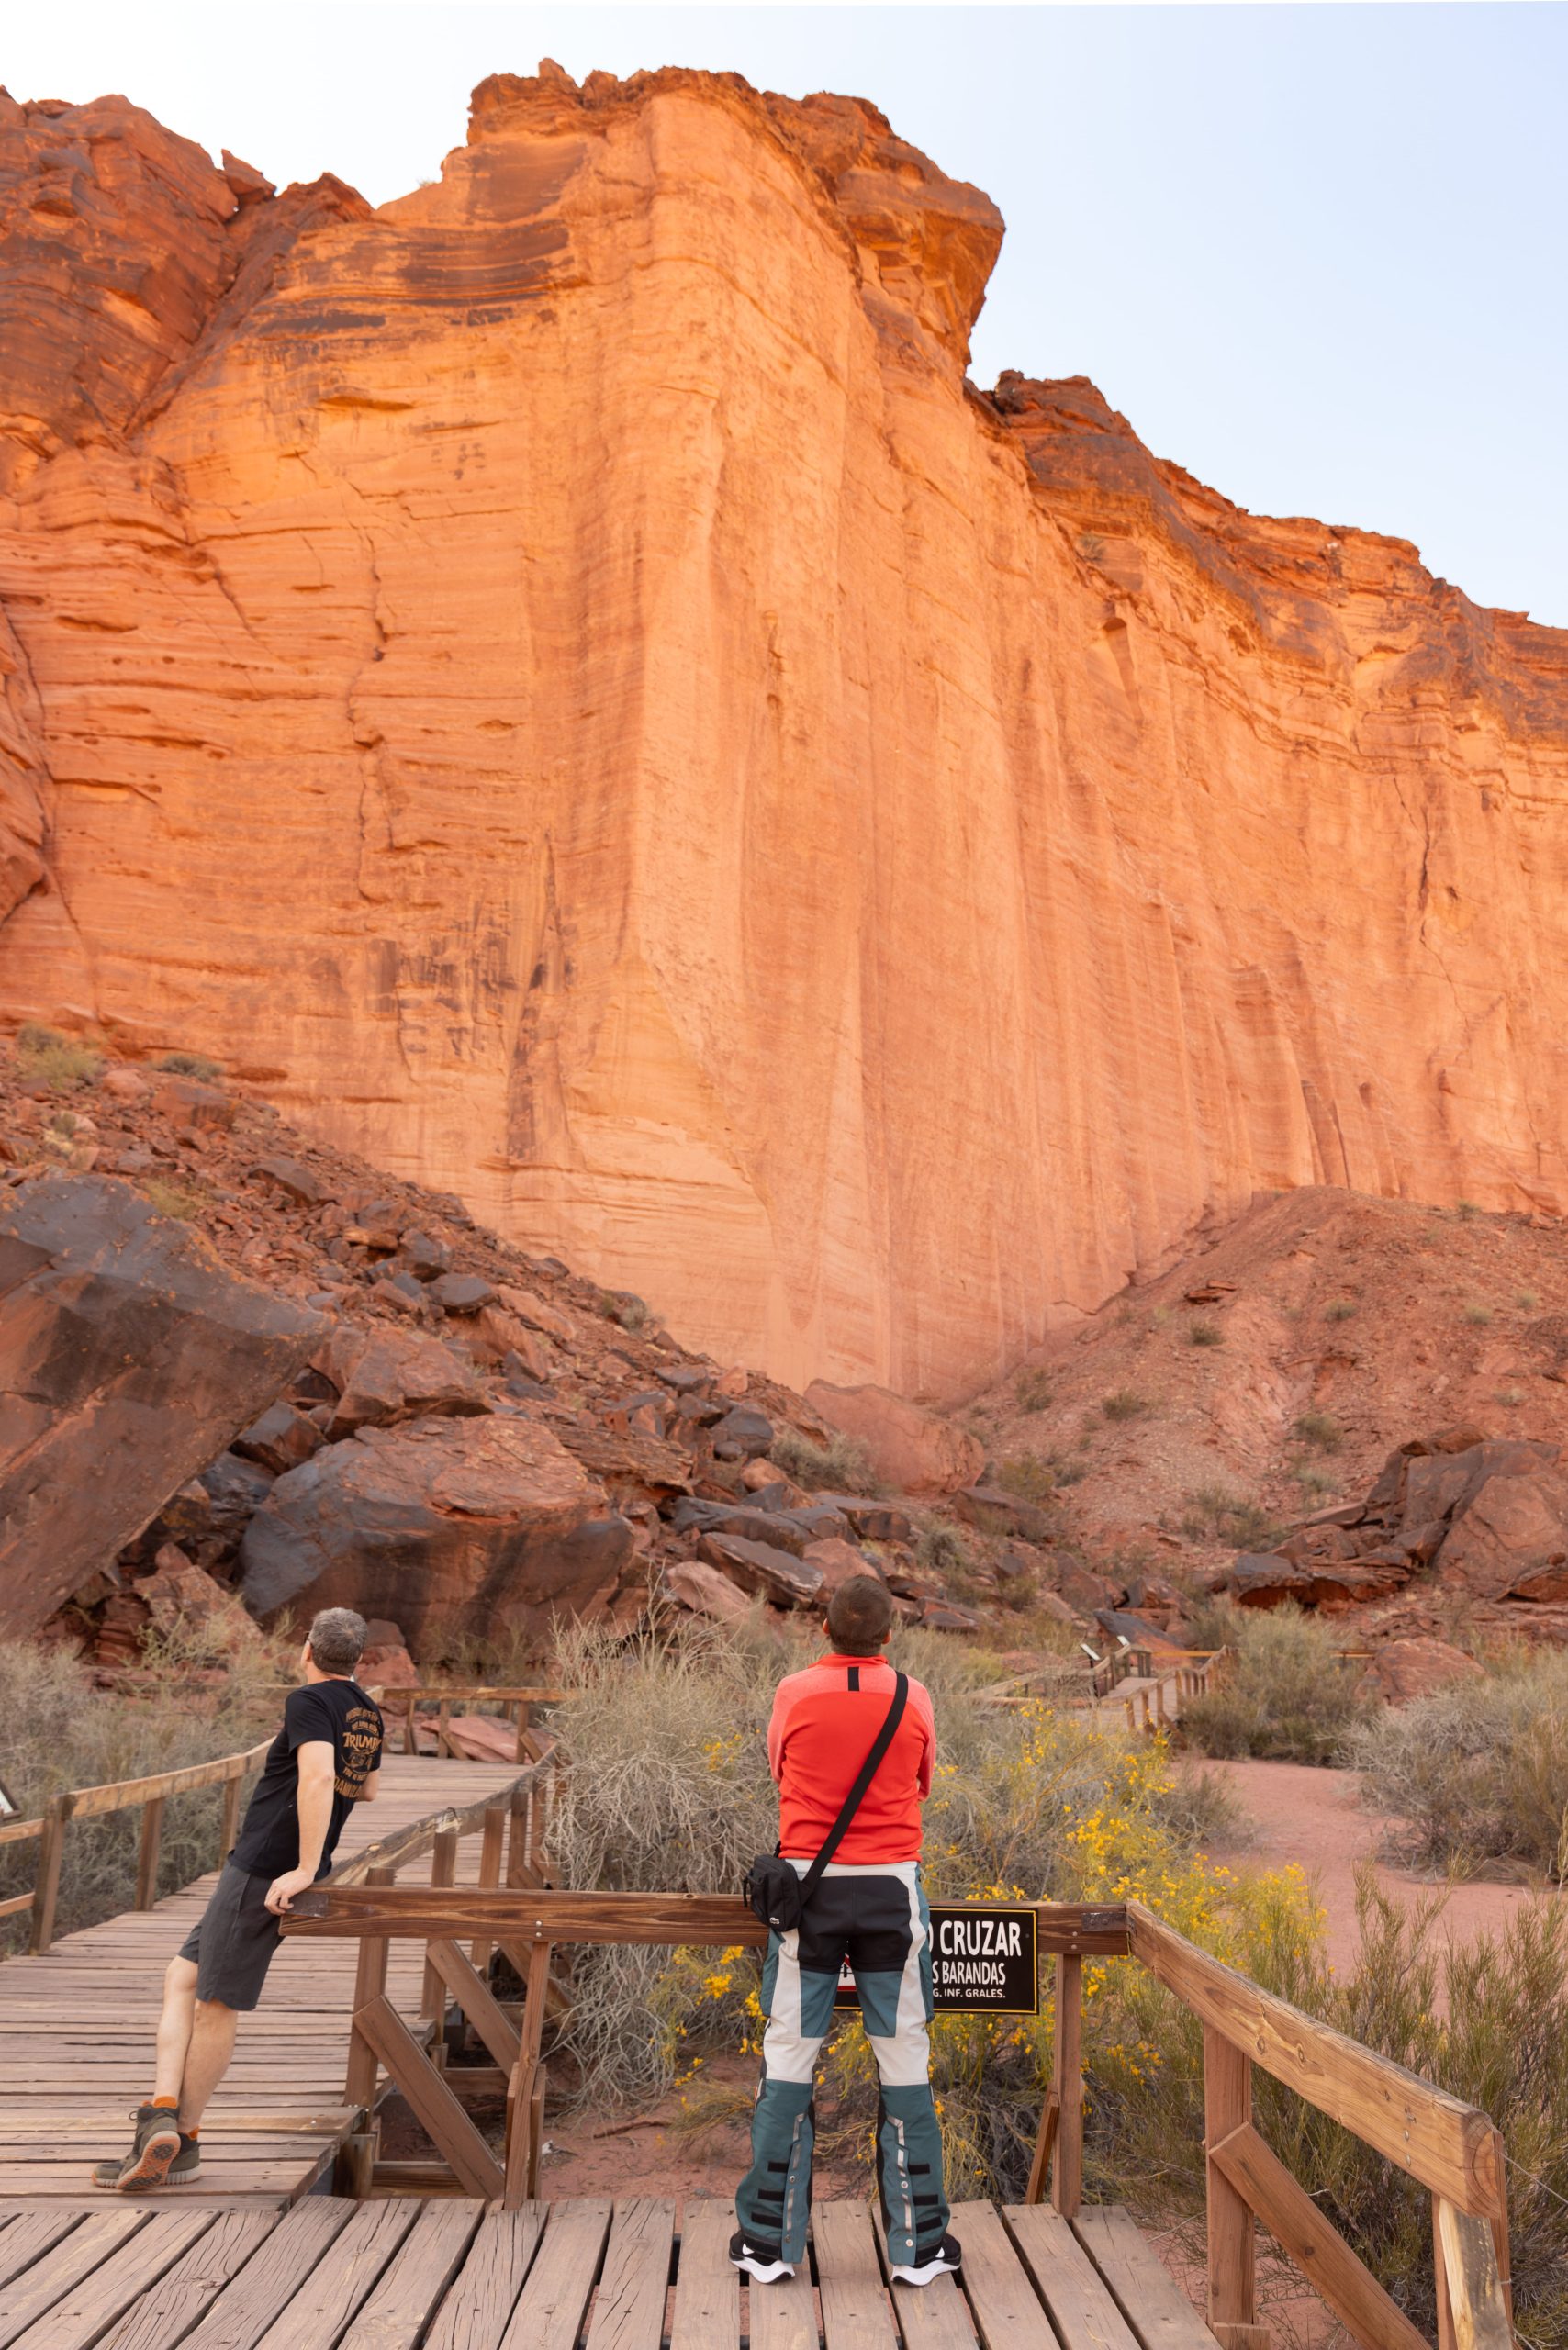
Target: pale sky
x,y
1315,254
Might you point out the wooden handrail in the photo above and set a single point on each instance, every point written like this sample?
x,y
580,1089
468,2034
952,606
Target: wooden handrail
x,y
405,1844
451,1691
121,1794
1448,2145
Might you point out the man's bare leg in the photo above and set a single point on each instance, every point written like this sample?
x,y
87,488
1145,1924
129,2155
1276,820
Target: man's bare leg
x,y
175,2026
206,2059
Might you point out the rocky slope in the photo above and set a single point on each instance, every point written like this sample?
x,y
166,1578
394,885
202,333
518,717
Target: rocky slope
x,y
561,682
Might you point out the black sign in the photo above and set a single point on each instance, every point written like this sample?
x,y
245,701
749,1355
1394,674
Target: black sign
x,y
983,1960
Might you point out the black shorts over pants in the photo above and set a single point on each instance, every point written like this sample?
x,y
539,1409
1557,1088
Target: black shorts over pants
x,y
233,1941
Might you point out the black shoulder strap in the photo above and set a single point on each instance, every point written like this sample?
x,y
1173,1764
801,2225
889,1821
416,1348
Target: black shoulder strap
x,y
853,1800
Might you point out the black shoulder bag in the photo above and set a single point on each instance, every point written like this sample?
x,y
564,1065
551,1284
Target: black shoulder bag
x,y
770,1884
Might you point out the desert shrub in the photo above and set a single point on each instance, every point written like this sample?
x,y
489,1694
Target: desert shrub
x,y
1032,1390
842,1465
1467,1209
1527,1301
1285,1695
1031,1476
1320,1429
1487,2022
1314,1482
1478,1772
942,1552
1214,1514
1339,1309
624,1307
1205,1334
1477,1315
1125,1404
61,1063
194,1064
62,1732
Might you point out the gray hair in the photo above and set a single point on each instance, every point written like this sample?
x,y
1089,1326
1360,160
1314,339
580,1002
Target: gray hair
x,y
337,1636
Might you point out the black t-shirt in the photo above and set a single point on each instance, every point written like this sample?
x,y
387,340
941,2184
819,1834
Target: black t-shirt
x,y
336,1710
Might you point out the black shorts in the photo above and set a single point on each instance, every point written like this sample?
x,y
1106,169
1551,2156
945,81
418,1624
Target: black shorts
x,y
233,1940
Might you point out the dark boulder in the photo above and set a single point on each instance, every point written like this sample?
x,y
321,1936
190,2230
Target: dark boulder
x,y
128,1356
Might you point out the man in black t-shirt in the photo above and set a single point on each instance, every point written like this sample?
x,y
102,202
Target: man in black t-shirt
x,y
324,1758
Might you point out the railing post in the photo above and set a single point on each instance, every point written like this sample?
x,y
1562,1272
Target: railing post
x,y
432,2002
358,2158
520,1805
147,1856
1067,2173
409,1738
492,1839
1228,2106
46,1891
228,1832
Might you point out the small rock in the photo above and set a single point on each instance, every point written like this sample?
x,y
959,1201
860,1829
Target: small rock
x,y
124,1085
747,1430
461,1293
838,1562
185,1102
292,1178
537,1313
1408,1669
732,1382
762,1567
707,1592
425,1257
280,1439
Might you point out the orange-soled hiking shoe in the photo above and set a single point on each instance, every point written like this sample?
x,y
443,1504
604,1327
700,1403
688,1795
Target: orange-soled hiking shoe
x,y
162,2154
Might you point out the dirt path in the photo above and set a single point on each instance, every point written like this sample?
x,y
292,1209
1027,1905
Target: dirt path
x,y
1316,1818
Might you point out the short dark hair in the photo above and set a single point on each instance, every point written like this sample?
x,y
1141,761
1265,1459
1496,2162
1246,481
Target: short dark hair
x,y
859,1615
337,1640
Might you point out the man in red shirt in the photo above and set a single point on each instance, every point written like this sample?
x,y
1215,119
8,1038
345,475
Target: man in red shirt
x,y
868,1907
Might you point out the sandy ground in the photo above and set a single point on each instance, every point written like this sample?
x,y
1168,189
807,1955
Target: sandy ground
x,y
1316,1818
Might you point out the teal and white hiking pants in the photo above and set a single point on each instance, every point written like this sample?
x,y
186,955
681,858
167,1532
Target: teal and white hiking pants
x,y
876,1918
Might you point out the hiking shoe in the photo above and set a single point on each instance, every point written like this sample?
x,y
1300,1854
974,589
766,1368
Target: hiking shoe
x,y
763,2262
945,2261
162,2154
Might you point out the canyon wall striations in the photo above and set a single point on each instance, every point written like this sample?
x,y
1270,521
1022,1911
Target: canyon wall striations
x,y
561,683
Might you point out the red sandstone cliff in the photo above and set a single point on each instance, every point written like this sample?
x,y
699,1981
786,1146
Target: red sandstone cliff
x,y
561,683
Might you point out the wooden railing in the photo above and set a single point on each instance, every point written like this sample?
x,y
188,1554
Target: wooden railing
x,y
515,1705
1451,2148
150,1795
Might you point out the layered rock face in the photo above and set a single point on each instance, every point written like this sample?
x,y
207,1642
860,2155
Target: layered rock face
x,y
561,683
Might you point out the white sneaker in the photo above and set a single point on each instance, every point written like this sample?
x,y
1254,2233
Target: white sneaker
x,y
761,2261
945,2261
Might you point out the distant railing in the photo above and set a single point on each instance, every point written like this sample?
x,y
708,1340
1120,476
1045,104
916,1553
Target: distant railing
x,y
515,1705
150,1795
1451,2148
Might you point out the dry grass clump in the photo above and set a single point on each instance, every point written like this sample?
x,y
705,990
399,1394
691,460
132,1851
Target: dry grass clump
x,y
62,1732
62,1064
1214,1514
1285,1696
1477,1772
842,1465
194,1064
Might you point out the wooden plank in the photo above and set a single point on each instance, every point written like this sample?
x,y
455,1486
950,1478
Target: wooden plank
x,y
248,2305
855,2311
929,2317
436,2109
1143,2288
162,2319
1232,2246
92,2305
148,1853
46,1885
783,2316
329,2294
30,2235
89,1803
396,2313
549,2313
1324,2257
629,2307
477,2001
20,1832
1082,2309
1477,2298
478,2307
707,2289
1006,2307
50,2278
1448,2145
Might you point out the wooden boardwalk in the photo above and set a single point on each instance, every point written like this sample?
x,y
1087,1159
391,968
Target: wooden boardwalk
x,y
76,2028
633,2275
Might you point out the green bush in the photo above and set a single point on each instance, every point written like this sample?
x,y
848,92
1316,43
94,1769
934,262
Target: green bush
x,y
842,1465
194,1064
1478,1772
1339,1309
940,1549
1032,1390
1125,1404
1214,1514
1030,1476
1477,1315
1320,1429
1205,1334
62,1064
1284,1696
